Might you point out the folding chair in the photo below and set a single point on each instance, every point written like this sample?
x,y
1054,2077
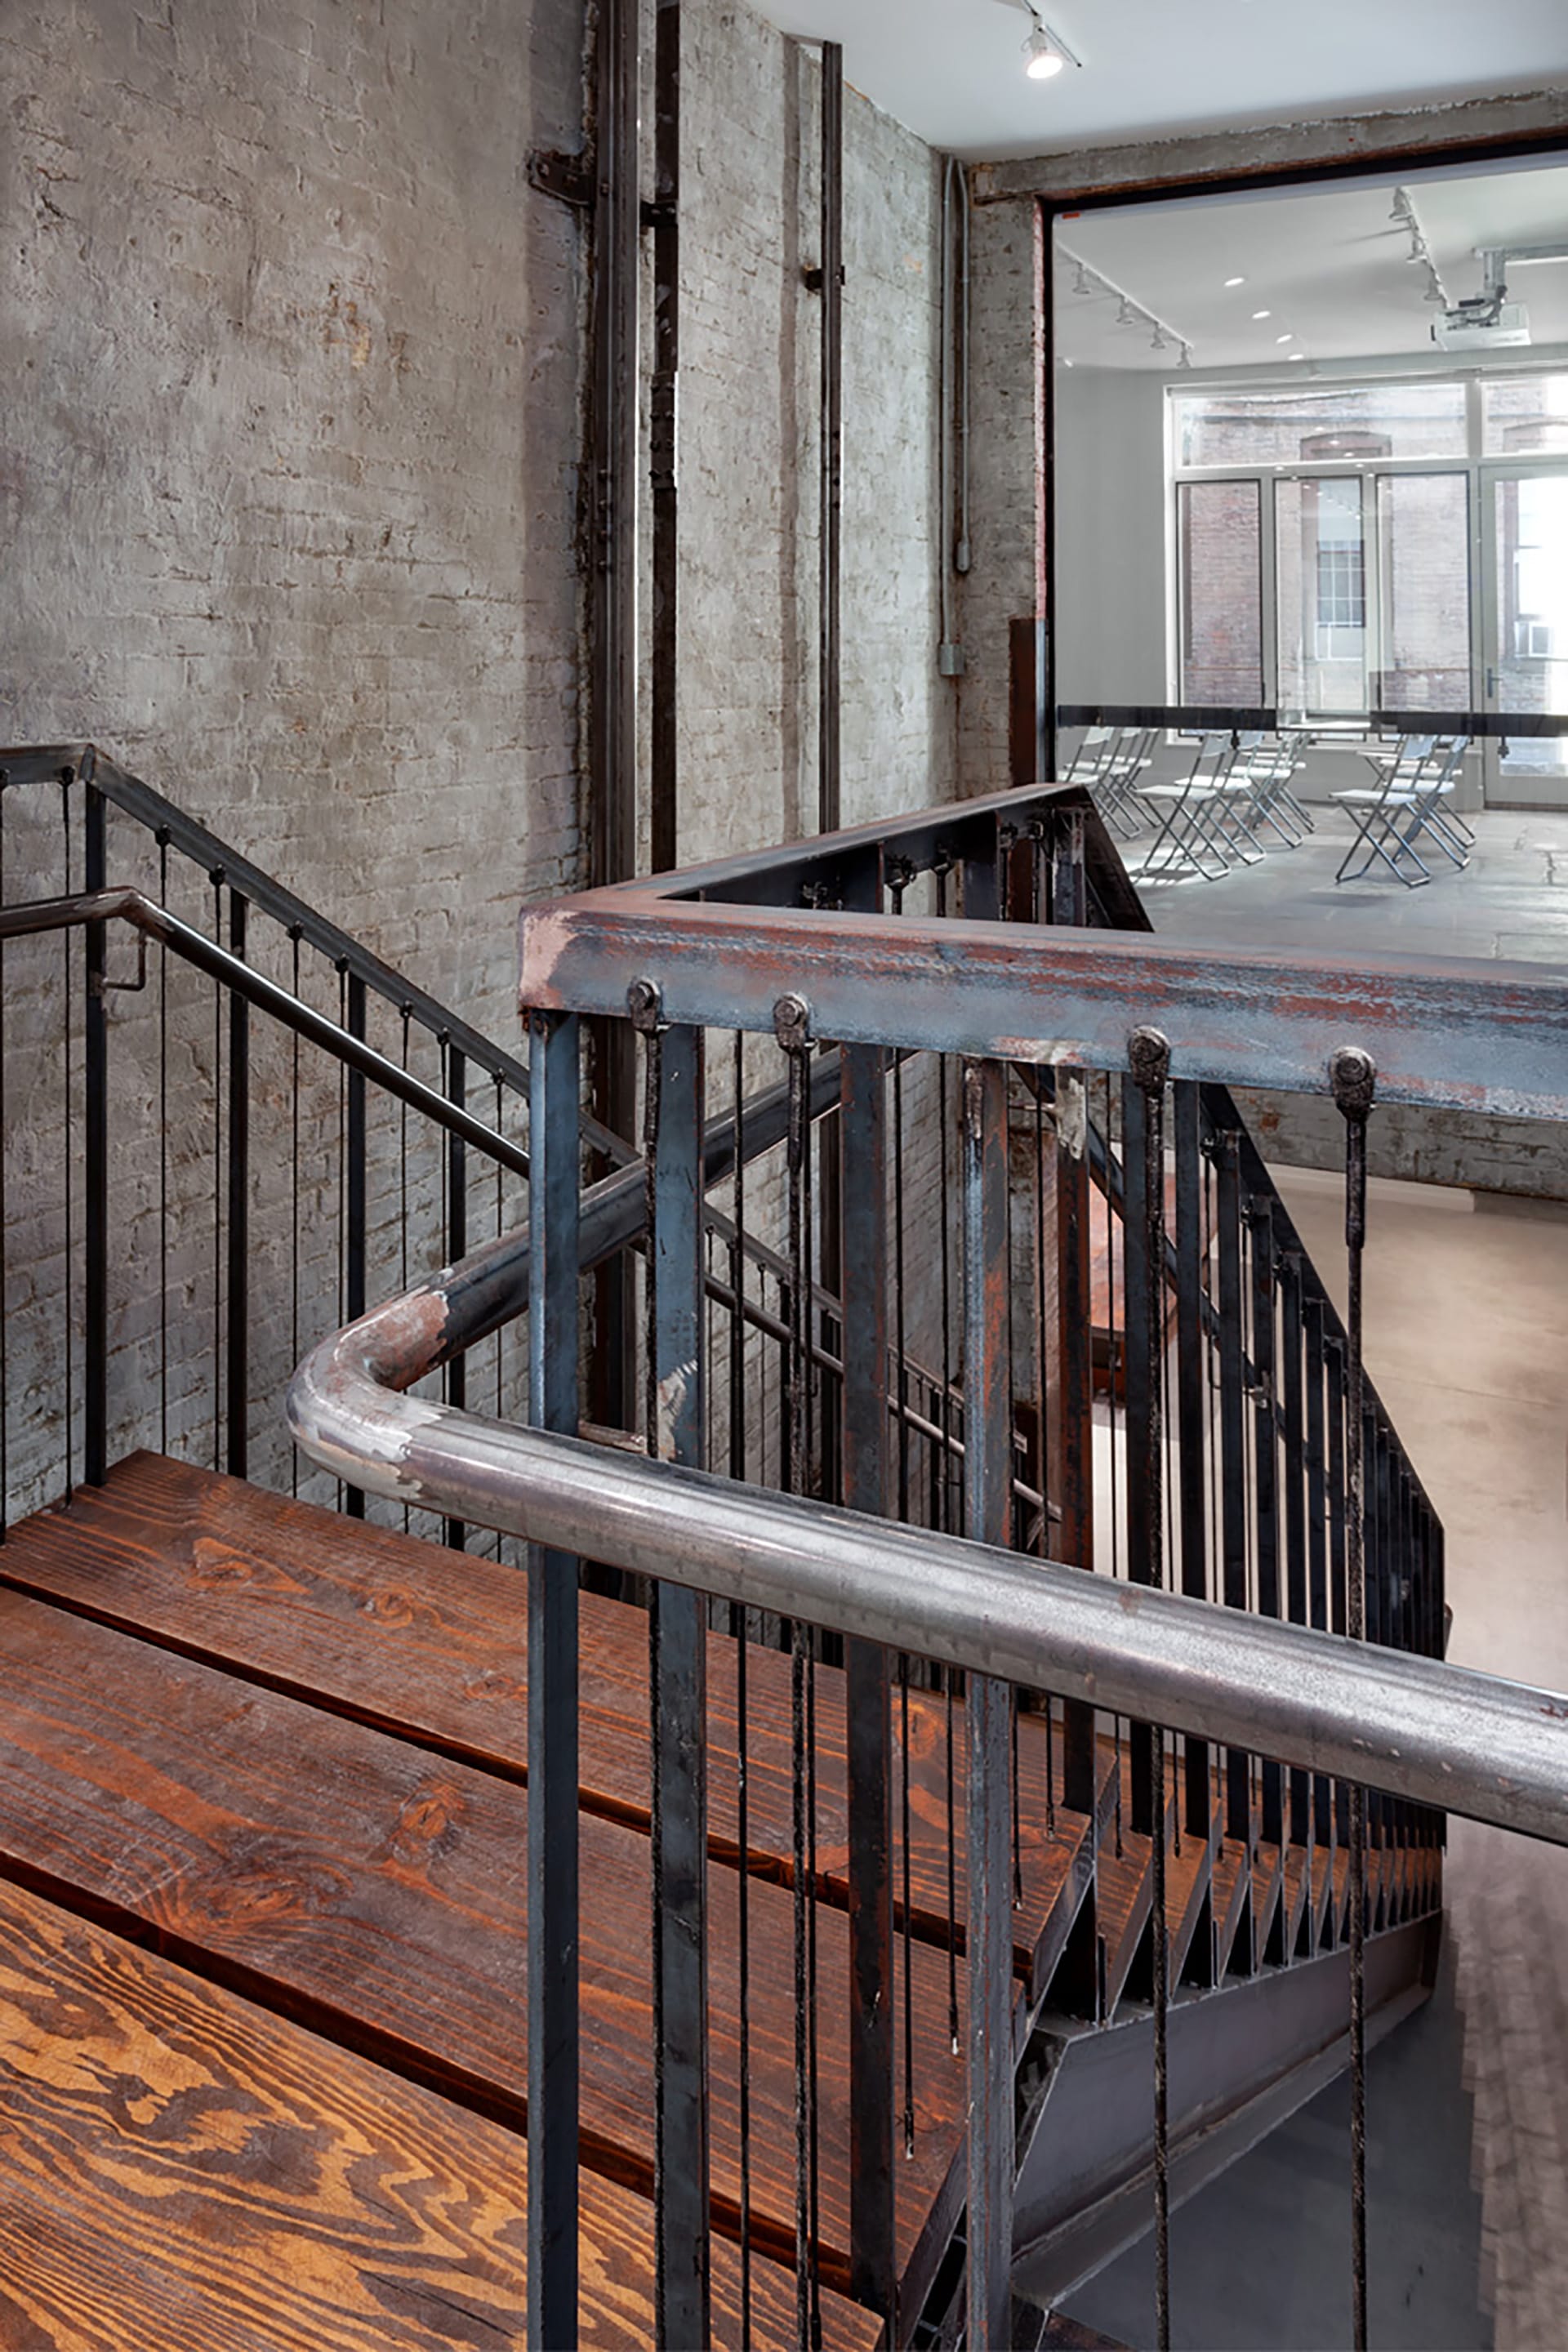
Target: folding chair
x,y
1254,783
1388,814
1115,797
1434,788
1197,829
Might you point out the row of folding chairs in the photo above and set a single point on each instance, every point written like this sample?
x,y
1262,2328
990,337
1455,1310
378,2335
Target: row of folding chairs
x,y
1108,761
1409,805
1235,800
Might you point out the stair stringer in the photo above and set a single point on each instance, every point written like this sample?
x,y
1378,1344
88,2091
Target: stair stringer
x,y
1242,2058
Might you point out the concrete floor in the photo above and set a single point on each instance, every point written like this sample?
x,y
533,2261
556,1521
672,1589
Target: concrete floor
x,y
1511,901
1467,1341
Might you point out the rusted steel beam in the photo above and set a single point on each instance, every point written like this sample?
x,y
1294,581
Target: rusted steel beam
x,y
1456,1030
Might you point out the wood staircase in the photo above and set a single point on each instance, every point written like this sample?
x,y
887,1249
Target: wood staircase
x,y
263,1921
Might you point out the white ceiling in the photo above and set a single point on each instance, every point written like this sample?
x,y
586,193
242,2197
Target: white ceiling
x,y
952,70
1329,265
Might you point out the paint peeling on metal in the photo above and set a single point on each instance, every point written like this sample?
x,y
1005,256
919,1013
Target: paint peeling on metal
x,y
670,1404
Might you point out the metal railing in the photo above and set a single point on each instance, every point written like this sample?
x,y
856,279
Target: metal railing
x,y
1191,1412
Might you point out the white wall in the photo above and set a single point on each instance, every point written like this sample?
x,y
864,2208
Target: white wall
x,y
1110,568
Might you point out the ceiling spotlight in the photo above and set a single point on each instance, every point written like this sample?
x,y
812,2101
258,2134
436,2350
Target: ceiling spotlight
x,y
1186,359
1263,314
1435,288
1042,58
1045,51
1400,212
1236,281
1080,283
1282,339
1297,355
1157,342
1126,316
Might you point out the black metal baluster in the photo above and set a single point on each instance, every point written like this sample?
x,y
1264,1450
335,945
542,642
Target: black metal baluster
x,y
501,1329
554,1182
162,840
219,1356
95,1157
1149,1056
988,1504
68,777
1354,1078
1113,1375
456,1374
4,1221
906,1928
1234,1514
1265,1430
1294,1515
791,1028
1318,1537
677,1631
294,1219
863,1455
405,1018
237,1283
1190,1411
738,1466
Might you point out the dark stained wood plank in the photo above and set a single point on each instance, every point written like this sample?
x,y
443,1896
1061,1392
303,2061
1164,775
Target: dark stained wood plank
x,y
179,2169
423,1643
378,1894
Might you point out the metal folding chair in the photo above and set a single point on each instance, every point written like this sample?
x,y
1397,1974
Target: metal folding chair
x,y
1434,788
1197,829
1388,814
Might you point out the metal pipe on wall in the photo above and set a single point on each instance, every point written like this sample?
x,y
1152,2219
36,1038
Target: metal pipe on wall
x,y
613,611
832,435
663,216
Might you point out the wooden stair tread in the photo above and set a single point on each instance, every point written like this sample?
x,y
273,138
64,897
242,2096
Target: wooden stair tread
x,y
379,1894
287,1594
178,2167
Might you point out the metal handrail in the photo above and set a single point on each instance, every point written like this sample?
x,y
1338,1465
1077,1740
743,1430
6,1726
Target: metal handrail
x,y
1417,1727
34,915
85,764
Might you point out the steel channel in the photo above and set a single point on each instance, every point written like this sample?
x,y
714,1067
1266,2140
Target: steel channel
x,y
1476,1036
553,1774
988,1511
679,1725
1071,1391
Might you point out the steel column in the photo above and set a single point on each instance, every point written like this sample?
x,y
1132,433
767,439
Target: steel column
x,y
1069,1391
679,1682
552,1917
863,1140
988,1511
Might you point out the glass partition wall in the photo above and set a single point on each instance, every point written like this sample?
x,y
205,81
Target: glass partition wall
x,y
1351,504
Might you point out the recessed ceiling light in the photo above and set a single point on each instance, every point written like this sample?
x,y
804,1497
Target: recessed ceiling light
x,y
1282,339
1236,281
1263,314
1297,355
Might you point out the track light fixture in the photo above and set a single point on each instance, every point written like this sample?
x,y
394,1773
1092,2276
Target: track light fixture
x,y
1163,337
1045,51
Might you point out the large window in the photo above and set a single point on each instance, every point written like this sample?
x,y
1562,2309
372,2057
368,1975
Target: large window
x,y
1324,543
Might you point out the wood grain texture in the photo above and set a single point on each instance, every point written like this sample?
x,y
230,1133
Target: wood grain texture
x,y
180,2169
378,1894
424,1643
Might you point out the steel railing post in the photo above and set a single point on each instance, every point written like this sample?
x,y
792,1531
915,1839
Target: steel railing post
x,y
552,1921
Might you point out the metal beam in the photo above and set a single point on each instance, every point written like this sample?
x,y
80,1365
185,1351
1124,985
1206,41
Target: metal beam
x,y
1476,1035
